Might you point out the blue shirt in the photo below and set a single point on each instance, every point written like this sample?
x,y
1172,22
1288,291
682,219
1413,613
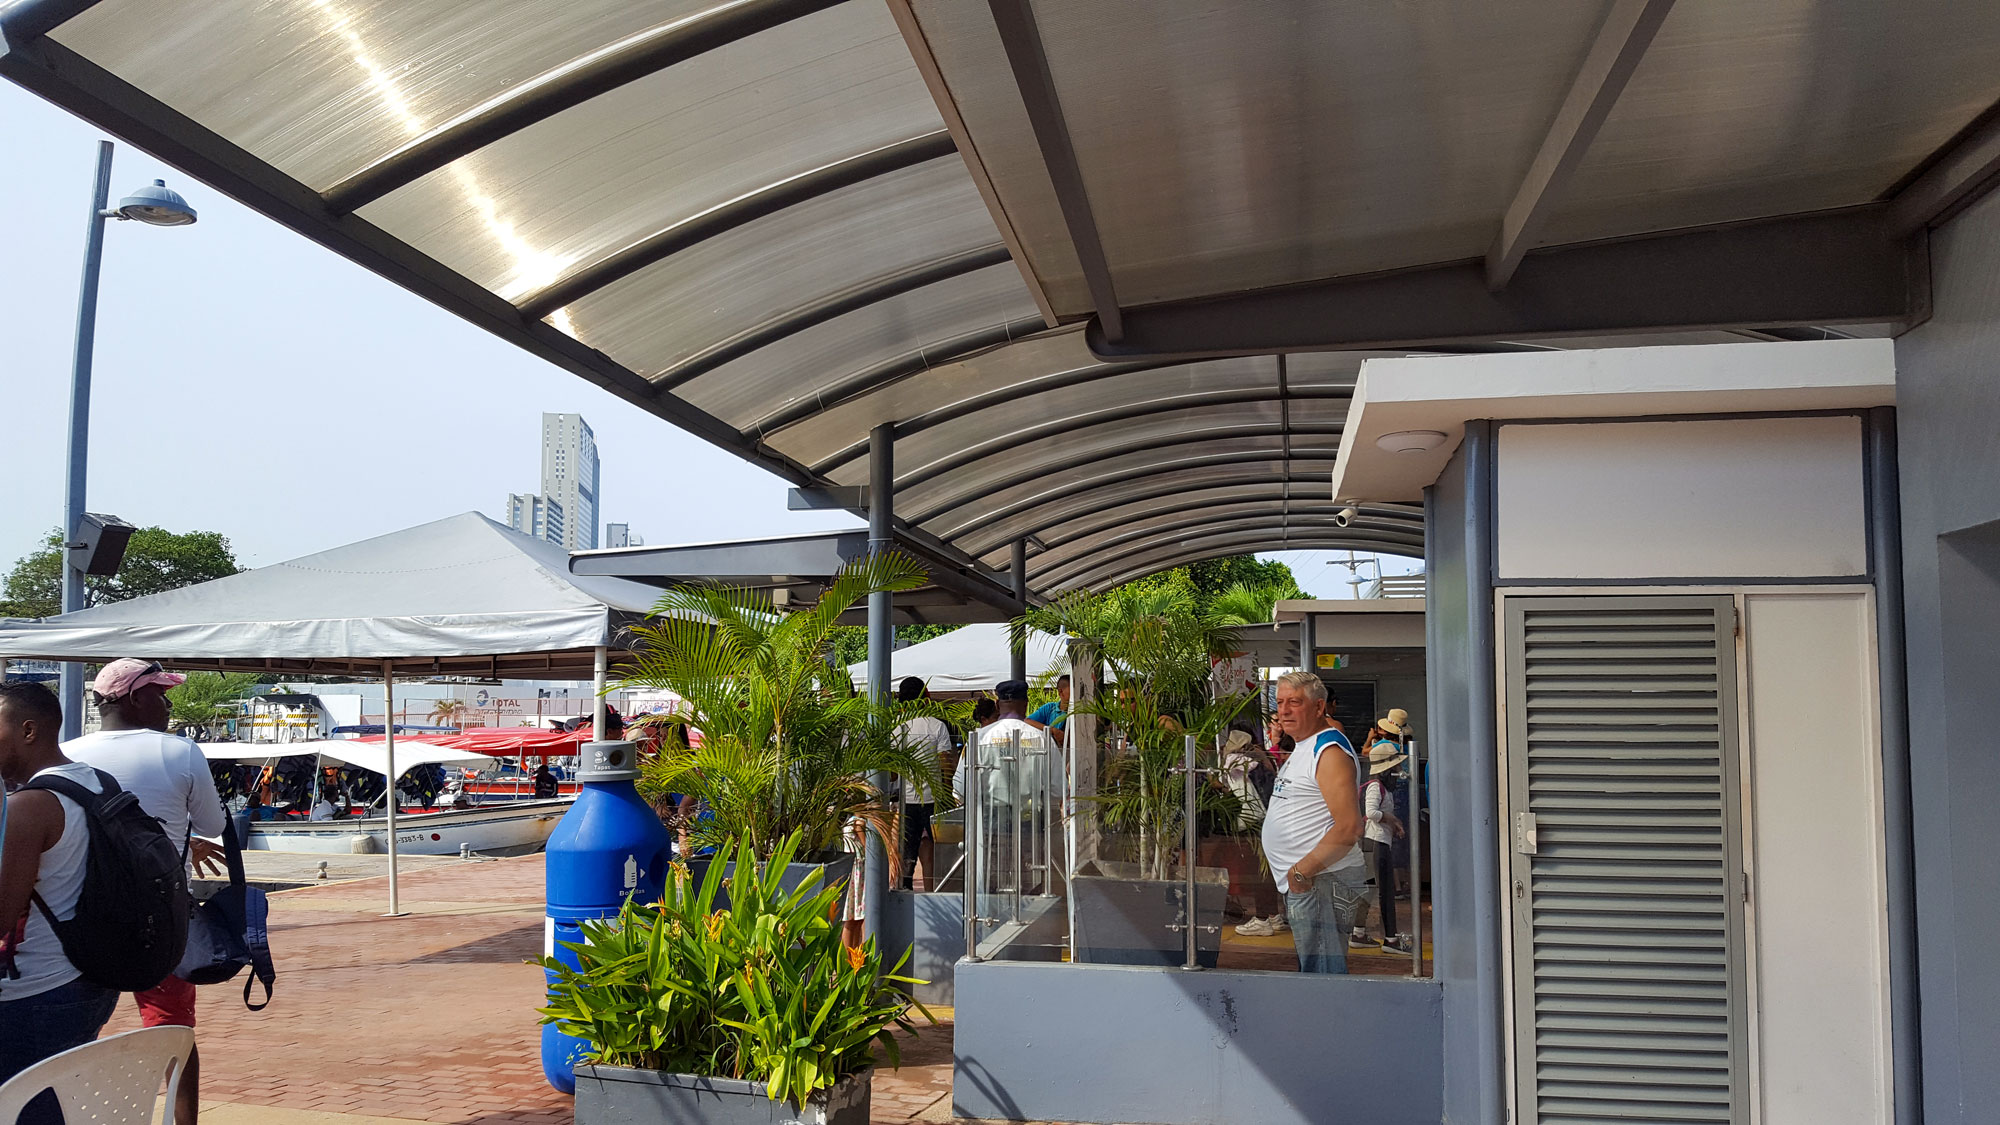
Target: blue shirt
x,y
1050,715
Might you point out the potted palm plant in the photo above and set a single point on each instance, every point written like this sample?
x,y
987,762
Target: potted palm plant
x,y
1157,644
752,1013
769,735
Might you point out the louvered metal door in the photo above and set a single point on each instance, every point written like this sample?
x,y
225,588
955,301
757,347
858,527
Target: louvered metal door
x,y
1626,871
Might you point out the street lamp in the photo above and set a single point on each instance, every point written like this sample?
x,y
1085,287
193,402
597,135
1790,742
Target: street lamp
x,y
155,205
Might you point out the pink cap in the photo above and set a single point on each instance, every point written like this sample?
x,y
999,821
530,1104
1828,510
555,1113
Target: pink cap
x,y
121,678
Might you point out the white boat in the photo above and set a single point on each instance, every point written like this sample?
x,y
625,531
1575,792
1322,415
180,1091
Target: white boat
x,y
504,828
512,828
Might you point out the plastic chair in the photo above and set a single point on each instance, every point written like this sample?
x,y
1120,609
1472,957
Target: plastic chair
x,y
112,1081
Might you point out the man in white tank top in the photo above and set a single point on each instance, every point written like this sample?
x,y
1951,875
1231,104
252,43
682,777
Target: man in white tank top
x,y
46,1007
1312,826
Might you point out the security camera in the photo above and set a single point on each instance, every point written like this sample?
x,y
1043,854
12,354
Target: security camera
x,y
1345,517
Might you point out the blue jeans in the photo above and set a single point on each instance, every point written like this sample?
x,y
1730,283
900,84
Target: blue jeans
x,y
1321,917
36,1027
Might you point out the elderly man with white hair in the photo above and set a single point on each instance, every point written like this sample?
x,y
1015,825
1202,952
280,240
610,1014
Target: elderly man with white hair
x,y
1312,826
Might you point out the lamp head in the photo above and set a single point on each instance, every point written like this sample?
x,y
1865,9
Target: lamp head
x,y
158,205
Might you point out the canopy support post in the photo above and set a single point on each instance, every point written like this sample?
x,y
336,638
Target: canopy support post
x,y
881,638
389,754
597,684
1017,659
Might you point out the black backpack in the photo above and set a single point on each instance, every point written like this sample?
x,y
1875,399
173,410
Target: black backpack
x,y
227,932
130,925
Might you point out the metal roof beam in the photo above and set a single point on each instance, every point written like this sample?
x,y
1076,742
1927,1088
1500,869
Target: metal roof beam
x,y
1015,392
1062,427
1029,474
1157,492
1271,523
80,86
865,382
848,300
1956,179
725,217
571,84
1140,472
1832,267
1160,556
1261,503
23,20
1022,41
1622,39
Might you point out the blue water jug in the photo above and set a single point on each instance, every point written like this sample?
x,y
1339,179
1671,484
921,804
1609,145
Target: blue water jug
x,y
609,846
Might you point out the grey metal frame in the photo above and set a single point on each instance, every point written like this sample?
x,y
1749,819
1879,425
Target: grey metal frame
x,y
1832,267
25,19
1077,423
827,308
1275,522
563,87
1022,40
1159,556
893,371
1396,521
1206,461
1621,41
1034,472
1953,180
745,208
1277,486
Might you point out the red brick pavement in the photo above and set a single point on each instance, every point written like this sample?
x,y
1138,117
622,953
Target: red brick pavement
x,y
429,1016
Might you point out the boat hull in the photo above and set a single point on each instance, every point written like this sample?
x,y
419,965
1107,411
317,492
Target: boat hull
x,y
516,828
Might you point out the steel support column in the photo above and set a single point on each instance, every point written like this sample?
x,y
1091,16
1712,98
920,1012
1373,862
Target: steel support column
x,y
69,680
1017,659
881,639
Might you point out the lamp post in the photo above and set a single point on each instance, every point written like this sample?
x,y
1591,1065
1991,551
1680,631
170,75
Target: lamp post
x,y
154,205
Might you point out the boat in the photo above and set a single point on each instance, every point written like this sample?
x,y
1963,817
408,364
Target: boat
x,y
502,827
506,828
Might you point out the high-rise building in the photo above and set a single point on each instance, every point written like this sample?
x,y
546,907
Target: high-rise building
x,y
569,478
535,515
620,535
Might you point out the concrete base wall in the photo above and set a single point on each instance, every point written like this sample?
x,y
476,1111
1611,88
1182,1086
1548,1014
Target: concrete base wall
x,y
1101,1043
932,926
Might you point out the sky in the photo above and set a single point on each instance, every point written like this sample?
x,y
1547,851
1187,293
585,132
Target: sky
x,y
250,382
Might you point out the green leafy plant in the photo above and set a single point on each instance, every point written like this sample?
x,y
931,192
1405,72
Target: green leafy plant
x,y
204,700
763,991
786,746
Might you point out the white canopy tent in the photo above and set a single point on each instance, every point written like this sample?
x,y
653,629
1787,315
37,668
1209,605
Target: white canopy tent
x,y
458,596
971,658
371,756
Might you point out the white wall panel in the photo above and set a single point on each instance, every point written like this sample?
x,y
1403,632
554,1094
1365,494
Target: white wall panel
x,y
1707,498
1818,896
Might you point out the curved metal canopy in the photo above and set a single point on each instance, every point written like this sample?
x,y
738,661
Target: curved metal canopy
x,y
1103,306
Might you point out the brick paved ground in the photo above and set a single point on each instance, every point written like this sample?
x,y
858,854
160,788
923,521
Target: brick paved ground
x,y
428,1017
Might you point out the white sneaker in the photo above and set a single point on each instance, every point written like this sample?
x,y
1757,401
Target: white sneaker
x,y
1255,927
1278,924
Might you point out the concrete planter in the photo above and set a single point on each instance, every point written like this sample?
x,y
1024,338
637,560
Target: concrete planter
x,y
617,1095
1124,920
833,867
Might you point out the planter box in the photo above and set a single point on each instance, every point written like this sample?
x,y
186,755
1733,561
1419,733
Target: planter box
x,y
832,866
617,1095
1124,920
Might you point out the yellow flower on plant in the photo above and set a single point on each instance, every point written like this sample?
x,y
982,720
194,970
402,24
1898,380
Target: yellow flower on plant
x,y
715,922
856,957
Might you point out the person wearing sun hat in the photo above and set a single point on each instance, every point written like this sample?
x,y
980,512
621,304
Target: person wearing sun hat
x,y
170,777
1378,806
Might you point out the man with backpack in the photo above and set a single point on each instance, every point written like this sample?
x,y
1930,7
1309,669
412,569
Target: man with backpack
x,y
46,1005
171,779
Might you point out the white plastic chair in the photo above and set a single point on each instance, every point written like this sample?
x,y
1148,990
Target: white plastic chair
x,y
112,1081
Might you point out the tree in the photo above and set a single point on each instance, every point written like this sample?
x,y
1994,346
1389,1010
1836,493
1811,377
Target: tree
x,y
156,560
448,712
204,699
1213,577
850,642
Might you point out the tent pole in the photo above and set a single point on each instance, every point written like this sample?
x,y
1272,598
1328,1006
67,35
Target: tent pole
x,y
881,639
389,750
597,684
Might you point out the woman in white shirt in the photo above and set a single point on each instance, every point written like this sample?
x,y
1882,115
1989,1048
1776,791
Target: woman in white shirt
x,y
1383,829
